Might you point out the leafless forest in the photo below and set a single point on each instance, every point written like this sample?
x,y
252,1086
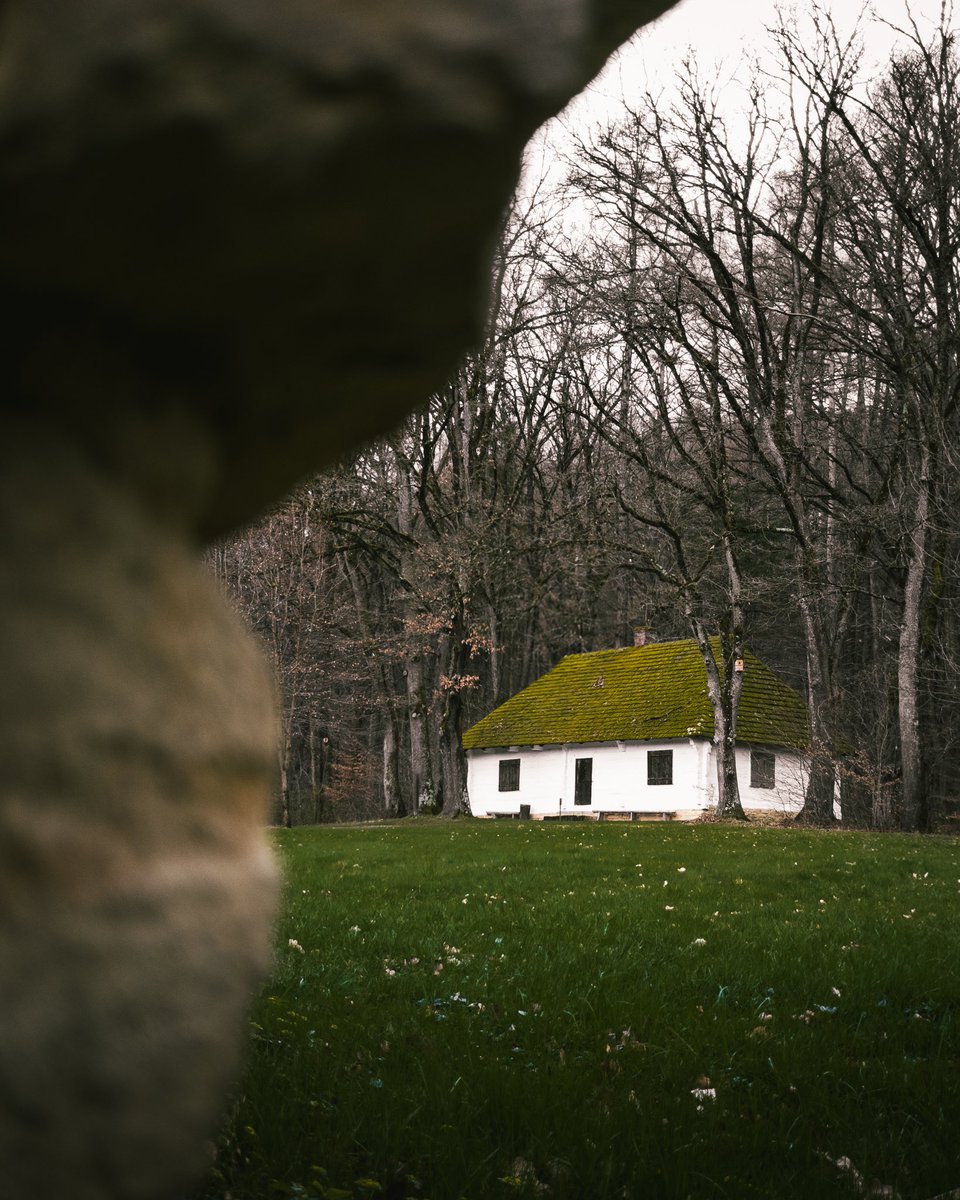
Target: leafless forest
x,y
717,394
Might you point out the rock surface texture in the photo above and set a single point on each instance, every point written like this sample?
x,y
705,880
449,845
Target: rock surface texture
x,y
241,235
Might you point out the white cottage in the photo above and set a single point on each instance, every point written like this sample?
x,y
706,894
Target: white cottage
x,y
628,734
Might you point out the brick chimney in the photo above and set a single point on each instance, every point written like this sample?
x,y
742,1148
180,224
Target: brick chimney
x,y
643,635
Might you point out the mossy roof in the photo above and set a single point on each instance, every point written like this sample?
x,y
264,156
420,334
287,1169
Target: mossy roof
x,y
645,693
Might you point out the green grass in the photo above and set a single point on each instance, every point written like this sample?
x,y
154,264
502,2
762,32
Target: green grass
x,y
522,1009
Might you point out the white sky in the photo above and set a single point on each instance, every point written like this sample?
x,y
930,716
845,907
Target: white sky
x,y
719,32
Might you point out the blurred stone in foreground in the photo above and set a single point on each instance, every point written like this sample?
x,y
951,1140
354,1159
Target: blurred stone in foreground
x,y
240,236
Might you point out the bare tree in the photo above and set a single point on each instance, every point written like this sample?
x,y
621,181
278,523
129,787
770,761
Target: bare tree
x,y
894,187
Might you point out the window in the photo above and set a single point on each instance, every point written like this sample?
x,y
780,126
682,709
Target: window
x,y
659,767
583,781
763,769
509,774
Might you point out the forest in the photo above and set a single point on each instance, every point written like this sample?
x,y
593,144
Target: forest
x,y
717,395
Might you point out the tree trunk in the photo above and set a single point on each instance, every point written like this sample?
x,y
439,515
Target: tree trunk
x,y
316,775
421,784
881,809
915,808
452,757
283,758
496,650
393,805
818,801
724,684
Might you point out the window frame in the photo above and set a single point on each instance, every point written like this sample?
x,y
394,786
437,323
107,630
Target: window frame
x,y
664,757
508,780
763,767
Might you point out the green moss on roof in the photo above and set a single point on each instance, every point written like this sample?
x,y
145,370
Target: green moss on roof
x,y
644,693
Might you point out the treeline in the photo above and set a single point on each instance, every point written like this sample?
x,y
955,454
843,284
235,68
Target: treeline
x,y
717,394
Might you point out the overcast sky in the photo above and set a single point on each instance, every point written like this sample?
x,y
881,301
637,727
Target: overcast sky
x,y
718,31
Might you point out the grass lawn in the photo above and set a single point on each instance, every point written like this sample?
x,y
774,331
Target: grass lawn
x,y
518,1009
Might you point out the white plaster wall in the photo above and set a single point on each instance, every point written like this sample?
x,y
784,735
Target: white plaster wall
x,y
541,781
547,778
787,794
